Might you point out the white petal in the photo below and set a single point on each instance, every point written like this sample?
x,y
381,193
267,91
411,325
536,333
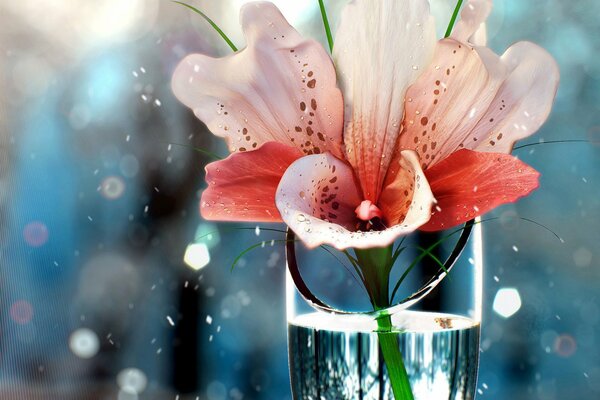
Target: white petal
x,y
523,102
381,47
317,198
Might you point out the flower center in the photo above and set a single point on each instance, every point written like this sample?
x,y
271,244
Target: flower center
x,y
367,211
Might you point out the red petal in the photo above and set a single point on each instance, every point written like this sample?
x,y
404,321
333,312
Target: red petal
x,y
242,187
468,184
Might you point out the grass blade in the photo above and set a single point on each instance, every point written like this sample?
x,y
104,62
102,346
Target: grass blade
x,y
397,254
238,228
354,263
211,22
326,25
345,266
427,252
418,259
453,19
199,150
434,258
462,242
551,142
544,227
255,246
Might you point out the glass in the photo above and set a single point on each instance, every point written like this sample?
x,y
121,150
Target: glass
x,y
338,356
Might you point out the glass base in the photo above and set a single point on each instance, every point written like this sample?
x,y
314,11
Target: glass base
x,y
338,357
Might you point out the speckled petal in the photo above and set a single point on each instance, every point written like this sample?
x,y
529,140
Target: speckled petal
x,y
448,101
471,98
381,47
468,184
523,102
280,88
242,187
317,198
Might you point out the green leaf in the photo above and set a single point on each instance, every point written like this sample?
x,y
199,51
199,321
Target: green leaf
x,y
255,246
362,281
423,255
542,226
199,150
551,142
428,251
397,254
326,25
434,258
238,228
453,19
211,22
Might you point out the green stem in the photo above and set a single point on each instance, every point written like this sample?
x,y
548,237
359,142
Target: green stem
x,y
453,19
552,142
326,25
376,265
388,341
212,23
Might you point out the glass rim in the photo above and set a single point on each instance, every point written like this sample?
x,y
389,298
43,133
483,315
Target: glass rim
x,y
293,274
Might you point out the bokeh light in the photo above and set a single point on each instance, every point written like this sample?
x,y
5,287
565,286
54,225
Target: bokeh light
x,y
87,24
32,75
112,187
197,256
132,380
35,234
84,343
565,346
507,302
583,257
208,234
127,394
21,312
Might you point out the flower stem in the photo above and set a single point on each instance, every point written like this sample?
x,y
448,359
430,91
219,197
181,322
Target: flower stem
x,y
376,264
326,25
388,341
453,19
212,23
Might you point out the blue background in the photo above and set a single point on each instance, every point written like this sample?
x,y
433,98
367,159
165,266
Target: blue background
x,y
85,97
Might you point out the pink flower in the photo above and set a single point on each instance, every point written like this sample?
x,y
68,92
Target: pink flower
x,y
419,135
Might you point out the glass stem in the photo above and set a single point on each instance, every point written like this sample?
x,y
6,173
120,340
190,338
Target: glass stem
x,y
388,341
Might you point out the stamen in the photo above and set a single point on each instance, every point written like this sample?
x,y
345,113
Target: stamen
x,y
367,211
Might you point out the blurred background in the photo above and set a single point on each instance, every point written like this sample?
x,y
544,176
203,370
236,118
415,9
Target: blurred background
x,y
111,285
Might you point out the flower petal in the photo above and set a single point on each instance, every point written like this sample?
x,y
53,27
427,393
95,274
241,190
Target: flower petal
x,y
447,102
470,98
242,187
471,26
469,183
381,48
399,193
523,102
317,198
280,88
